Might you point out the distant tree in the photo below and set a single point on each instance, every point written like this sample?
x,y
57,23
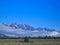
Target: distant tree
x,y
26,39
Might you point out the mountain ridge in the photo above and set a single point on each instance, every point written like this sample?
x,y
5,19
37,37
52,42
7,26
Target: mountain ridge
x,y
22,30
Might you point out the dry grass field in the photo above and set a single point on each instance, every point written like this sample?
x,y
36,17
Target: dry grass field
x,y
35,42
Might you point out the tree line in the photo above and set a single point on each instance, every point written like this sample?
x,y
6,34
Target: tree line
x,y
46,37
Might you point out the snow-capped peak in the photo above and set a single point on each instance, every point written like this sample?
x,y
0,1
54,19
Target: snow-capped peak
x,y
23,30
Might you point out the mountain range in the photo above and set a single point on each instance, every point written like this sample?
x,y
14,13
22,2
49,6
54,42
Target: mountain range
x,y
23,30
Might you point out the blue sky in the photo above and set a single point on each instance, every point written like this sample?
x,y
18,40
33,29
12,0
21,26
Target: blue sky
x,y
38,13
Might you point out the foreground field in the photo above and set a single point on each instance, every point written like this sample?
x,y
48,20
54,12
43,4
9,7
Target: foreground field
x,y
35,42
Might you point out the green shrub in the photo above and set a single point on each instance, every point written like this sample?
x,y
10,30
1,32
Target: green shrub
x,y
26,39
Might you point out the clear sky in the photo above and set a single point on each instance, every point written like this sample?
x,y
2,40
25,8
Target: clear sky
x,y
38,13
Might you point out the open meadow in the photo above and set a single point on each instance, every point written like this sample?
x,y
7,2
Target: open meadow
x,y
35,42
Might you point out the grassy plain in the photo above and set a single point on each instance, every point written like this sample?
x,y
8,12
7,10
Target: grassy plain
x,y
35,42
